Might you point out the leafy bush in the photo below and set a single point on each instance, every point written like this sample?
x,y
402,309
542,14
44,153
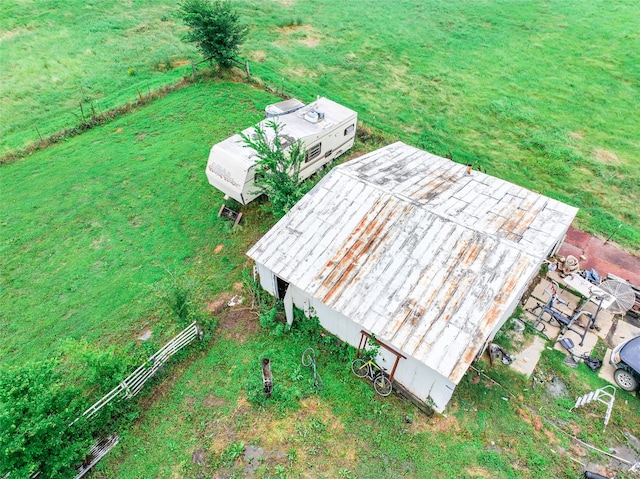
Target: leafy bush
x,y
215,29
277,167
36,407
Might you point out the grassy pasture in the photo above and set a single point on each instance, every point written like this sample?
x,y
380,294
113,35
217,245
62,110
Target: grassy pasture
x,y
95,228
346,430
56,55
540,93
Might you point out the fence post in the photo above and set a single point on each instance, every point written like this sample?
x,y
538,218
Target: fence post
x,y
193,69
36,125
246,69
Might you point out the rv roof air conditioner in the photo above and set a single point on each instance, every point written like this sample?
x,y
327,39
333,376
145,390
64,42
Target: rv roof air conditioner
x,y
314,116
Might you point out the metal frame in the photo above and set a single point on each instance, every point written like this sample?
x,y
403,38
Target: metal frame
x,y
364,340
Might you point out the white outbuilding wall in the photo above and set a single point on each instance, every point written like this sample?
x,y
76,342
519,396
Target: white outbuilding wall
x,y
416,377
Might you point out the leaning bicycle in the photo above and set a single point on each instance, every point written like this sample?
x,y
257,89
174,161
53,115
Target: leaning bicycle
x,y
309,360
369,369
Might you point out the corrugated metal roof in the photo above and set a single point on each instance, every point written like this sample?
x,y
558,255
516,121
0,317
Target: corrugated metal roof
x,y
416,251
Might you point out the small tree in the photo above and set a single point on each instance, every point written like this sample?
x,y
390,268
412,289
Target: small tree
x,y
215,28
277,172
36,408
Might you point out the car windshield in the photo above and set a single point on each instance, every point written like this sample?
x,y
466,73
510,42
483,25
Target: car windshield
x,y
630,354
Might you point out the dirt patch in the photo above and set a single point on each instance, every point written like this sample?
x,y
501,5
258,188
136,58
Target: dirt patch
x,y
179,62
219,304
478,471
552,437
214,401
289,29
189,402
578,450
422,423
11,33
310,42
557,388
606,156
255,456
258,56
300,72
198,457
218,248
238,323
304,34
576,135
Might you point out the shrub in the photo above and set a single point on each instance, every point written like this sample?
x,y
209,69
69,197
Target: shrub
x,y
214,28
277,167
36,407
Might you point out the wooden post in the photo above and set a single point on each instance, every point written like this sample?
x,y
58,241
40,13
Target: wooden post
x,y
38,131
193,70
246,69
490,354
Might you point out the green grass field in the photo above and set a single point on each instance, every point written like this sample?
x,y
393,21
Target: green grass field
x,y
96,229
346,430
542,94
99,53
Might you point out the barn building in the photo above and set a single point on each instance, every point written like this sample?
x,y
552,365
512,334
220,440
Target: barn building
x,y
427,254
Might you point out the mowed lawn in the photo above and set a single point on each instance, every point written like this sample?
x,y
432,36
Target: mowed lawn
x,y
544,94
96,230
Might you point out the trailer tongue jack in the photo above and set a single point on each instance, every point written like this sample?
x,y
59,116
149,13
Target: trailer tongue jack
x,y
227,212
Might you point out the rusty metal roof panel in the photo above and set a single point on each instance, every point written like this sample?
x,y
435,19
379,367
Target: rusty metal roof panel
x,y
415,250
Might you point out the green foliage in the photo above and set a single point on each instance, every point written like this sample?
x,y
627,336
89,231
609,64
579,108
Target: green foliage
x,y
373,348
269,320
99,369
36,407
277,172
231,453
215,29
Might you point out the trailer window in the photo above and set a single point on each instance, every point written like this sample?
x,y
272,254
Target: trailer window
x,y
348,130
313,152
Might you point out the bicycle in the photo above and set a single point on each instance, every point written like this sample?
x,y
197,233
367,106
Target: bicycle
x,y
369,369
309,360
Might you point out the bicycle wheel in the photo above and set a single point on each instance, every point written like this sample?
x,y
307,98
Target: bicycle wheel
x,y
308,356
318,382
382,385
360,368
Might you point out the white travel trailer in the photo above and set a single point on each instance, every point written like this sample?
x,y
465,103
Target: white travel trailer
x,y
325,128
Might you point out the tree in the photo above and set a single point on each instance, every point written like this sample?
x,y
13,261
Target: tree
x,y
36,408
277,173
215,29
40,400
